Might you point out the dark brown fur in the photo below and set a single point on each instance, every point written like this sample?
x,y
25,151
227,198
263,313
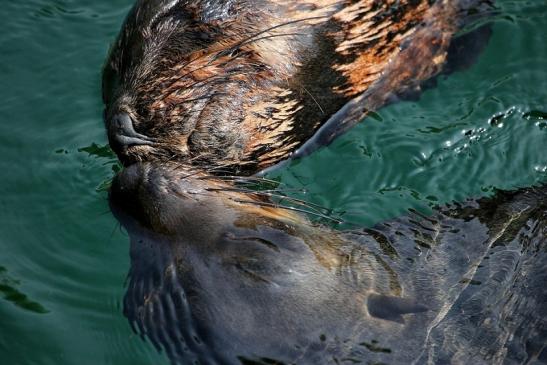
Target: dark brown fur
x,y
242,84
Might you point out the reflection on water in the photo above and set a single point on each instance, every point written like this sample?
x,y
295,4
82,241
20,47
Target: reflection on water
x,y
8,288
464,285
106,153
99,151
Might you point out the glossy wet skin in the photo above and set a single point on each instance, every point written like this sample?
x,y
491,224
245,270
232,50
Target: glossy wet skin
x,y
216,280
241,86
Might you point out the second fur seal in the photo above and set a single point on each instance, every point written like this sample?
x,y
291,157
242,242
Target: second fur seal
x,y
240,85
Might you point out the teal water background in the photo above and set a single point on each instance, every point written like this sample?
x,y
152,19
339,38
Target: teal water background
x,y
63,258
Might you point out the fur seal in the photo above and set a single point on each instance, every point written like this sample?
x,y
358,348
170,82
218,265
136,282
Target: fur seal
x,y
240,85
219,276
224,275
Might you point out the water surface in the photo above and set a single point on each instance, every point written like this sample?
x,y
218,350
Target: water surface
x,y
63,258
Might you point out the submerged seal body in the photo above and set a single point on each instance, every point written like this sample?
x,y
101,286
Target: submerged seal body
x,y
240,85
219,276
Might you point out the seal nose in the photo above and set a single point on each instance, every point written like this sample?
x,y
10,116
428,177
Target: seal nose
x,y
122,133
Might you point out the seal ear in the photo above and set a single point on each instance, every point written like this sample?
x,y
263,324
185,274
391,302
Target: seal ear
x,y
392,308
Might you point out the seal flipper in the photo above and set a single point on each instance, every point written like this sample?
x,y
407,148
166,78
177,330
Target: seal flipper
x,y
462,52
392,308
465,49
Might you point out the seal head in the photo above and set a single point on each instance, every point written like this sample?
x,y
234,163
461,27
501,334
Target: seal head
x,y
240,86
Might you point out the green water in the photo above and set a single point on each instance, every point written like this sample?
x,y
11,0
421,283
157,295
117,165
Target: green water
x,y
63,259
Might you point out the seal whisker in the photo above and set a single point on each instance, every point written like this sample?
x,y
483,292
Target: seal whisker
x,y
273,205
117,225
250,38
314,100
315,207
238,45
276,36
274,194
244,180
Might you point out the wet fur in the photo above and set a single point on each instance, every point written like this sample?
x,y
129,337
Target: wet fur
x,y
243,84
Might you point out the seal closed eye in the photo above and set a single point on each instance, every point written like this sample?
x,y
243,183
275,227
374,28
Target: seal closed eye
x,y
240,86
